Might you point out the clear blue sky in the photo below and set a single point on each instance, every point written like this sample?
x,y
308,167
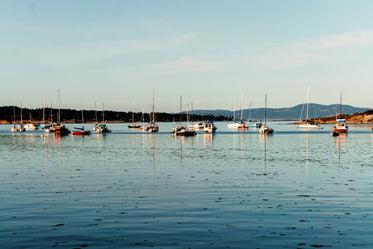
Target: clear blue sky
x,y
208,51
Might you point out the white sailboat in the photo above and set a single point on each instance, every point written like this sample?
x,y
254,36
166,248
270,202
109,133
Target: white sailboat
x,y
152,126
265,129
308,124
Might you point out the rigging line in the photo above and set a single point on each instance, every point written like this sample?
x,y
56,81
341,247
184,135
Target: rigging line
x,y
301,114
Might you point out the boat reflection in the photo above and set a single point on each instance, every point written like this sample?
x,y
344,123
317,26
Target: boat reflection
x,y
150,138
185,143
340,145
208,140
304,144
263,140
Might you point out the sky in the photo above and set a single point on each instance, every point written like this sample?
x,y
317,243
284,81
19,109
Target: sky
x,y
210,52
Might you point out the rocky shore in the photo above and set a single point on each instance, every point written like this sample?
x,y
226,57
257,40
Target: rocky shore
x,y
360,118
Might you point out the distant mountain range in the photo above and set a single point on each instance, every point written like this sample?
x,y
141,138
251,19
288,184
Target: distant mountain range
x,y
294,113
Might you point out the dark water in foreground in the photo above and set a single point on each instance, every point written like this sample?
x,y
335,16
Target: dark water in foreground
x,y
228,190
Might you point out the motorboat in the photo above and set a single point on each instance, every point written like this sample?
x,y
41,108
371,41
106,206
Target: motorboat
x,y
209,127
340,126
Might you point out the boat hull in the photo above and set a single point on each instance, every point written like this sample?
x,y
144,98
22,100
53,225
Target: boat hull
x,y
134,126
265,130
340,130
309,126
80,133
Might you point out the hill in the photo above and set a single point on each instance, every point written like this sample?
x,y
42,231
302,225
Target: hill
x,y
292,113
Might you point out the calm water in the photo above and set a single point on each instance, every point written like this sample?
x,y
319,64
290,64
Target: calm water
x,y
229,190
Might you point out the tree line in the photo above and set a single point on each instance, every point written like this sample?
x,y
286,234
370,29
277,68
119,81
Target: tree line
x,y
12,114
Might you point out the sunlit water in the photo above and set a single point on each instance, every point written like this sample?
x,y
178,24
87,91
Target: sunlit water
x,y
130,189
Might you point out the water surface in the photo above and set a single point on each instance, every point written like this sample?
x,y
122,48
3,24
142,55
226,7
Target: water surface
x,y
128,189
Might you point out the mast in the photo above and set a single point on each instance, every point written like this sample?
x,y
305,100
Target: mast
x,y
265,111
81,107
59,107
142,117
103,112
96,111
187,116
234,111
250,111
133,114
153,107
191,112
308,101
150,114
242,106
51,114
180,108
44,109
340,104
21,114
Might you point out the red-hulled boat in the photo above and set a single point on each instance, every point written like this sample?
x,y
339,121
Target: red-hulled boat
x,y
80,132
340,126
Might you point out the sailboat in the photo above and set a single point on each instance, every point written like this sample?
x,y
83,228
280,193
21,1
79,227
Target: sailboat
x,y
250,124
265,129
80,131
43,125
59,129
233,125
308,124
20,127
133,125
152,126
340,124
241,124
180,130
101,128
